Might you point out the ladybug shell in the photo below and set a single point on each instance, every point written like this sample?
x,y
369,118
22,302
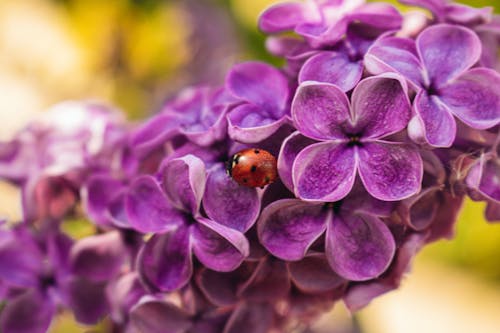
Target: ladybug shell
x,y
253,167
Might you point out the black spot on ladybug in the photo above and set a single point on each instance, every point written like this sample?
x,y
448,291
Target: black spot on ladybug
x,y
253,168
256,151
245,180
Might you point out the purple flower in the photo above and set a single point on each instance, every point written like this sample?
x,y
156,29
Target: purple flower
x,y
171,210
438,65
264,94
351,141
358,245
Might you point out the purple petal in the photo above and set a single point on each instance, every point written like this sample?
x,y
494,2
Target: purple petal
x,y
434,122
19,265
259,84
155,131
123,294
183,180
228,203
250,318
324,171
390,171
97,197
320,110
492,212
420,210
380,106
147,207
443,225
359,247
474,97
281,17
468,16
290,148
332,67
87,300
313,274
447,51
269,282
218,247
380,15
249,123
155,316
30,312
53,197
165,263
287,228
393,54
484,177
98,257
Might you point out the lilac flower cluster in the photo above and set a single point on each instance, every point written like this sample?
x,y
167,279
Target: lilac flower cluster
x,y
380,127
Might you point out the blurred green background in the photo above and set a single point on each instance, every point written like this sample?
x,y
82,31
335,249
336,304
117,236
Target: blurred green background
x,y
135,54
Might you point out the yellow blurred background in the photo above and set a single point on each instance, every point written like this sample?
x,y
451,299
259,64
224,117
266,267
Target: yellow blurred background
x,y
135,54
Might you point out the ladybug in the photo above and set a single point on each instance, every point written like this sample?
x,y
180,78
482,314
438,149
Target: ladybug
x,y
253,167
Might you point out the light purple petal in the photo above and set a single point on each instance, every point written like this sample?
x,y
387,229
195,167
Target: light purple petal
x,y
123,294
249,123
155,316
288,227
320,110
332,67
87,300
99,257
435,123
290,148
324,171
378,15
390,171
468,16
359,247
447,51
393,54
30,312
228,203
313,274
259,84
484,176
147,207
218,247
183,180
155,131
269,282
281,17
164,263
380,106
474,98
250,318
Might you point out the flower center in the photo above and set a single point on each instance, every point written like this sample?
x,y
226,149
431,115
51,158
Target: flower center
x,y
354,140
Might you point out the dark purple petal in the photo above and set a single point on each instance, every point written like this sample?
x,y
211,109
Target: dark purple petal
x,y
147,207
313,274
30,312
87,300
380,106
156,316
379,15
419,211
99,257
287,228
164,263
259,84
443,225
116,211
218,247
390,171
434,123
228,203
269,282
359,247
492,213
19,265
183,180
447,51
324,172
393,54
320,110
250,318
474,98
97,196
249,123
281,17
290,148
332,67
